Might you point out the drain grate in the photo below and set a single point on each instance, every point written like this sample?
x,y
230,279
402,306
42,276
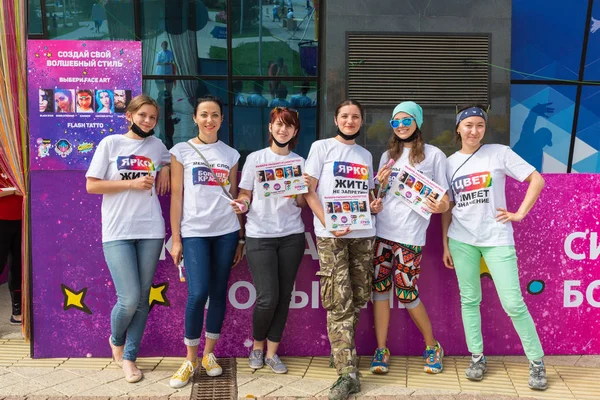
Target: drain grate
x,y
222,387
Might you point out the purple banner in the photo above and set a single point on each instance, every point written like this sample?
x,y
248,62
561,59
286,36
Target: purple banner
x,y
78,92
557,246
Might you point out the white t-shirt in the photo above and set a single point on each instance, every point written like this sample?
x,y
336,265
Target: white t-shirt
x,y
131,214
478,190
273,216
341,169
205,212
397,221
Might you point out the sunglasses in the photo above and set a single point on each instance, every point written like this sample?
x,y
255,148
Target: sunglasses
x,y
287,109
395,123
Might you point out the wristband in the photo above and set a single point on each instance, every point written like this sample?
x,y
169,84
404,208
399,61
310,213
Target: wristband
x,y
242,241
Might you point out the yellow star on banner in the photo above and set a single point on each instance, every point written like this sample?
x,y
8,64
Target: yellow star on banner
x,y
484,270
158,295
74,299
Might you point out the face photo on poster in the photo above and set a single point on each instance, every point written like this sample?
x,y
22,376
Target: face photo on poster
x,y
351,211
122,98
84,99
412,188
46,104
105,101
64,100
282,178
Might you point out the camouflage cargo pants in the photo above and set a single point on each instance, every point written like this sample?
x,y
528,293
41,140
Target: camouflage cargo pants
x,y
346,274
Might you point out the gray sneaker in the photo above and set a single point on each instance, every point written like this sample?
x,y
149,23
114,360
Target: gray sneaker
x,y
476,369
537,376
344,387
276,365
256,359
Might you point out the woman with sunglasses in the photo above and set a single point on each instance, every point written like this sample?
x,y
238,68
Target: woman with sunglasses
x,y
478,225
401,235
275,240
346,256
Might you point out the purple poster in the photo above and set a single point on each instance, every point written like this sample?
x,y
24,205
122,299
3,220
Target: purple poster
x,y
78,92
557,245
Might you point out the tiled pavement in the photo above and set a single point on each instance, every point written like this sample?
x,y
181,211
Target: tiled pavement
x,y
570,377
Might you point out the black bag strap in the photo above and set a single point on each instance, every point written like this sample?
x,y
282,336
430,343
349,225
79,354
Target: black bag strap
x,y
460,166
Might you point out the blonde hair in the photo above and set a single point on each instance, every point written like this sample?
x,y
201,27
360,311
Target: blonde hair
x,y
139,101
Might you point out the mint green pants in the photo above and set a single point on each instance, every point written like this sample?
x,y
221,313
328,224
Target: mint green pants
x,y
502,263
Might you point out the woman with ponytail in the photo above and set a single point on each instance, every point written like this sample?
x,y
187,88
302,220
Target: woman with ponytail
x,y
401,235
133,230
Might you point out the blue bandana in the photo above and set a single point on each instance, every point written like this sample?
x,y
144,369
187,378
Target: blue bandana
x,y
471,112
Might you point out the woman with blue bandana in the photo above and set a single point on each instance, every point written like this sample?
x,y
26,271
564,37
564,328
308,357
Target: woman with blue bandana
x,y
479,224
401,234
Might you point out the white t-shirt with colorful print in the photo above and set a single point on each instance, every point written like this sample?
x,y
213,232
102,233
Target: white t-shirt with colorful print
x,y
478,190
205,211
131,214
341,169
397,221
270,217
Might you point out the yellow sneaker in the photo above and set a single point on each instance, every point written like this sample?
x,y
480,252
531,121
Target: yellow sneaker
x,y
183,374
209,362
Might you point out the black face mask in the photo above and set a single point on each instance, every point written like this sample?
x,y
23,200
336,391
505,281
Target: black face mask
x,y
279,144
138,131
408,139
347,137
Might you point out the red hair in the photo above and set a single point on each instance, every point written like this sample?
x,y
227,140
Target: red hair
x,y
289,117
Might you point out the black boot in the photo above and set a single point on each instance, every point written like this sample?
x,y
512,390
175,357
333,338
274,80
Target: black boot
x,y
16,307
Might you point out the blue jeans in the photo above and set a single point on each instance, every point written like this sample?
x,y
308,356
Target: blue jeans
x,y
207,263
132,264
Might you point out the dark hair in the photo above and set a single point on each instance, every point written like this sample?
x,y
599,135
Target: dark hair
x,y
304,88
349,102
282,92
258,87
86,91
289,118
459,109
208,98
417,154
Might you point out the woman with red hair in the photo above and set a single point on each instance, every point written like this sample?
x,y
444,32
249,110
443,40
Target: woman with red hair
x,y
275,240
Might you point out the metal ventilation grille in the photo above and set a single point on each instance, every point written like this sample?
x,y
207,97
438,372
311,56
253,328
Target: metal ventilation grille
x,y
432,70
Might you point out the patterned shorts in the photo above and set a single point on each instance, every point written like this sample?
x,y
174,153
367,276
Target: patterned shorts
x,y
398,263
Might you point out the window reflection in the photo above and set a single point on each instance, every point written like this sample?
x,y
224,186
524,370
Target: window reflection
x,y
252,106
175,122
195,33
86,20
271,39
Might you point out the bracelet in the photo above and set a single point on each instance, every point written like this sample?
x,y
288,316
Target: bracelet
x,y
247,203
242,241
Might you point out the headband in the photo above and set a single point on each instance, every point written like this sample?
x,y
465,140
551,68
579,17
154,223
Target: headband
x,y
471,112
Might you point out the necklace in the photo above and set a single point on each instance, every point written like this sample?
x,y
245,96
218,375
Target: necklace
x,y
198,137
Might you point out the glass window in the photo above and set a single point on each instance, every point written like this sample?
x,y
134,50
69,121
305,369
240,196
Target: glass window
x,y
541,49
87,20
253,102
35,18
184,37
587,144
175,122
541,120
271,39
